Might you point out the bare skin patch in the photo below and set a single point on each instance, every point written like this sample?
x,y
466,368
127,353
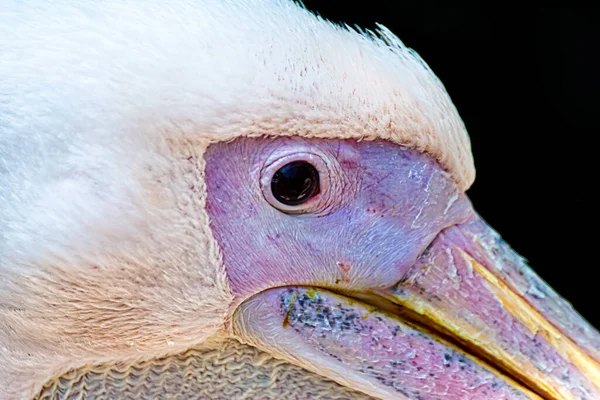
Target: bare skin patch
x,y
378,209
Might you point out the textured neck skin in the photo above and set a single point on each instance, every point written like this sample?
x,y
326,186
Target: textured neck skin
x,y
367,234
214,370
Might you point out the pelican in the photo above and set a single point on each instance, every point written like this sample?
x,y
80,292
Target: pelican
x,y
221,199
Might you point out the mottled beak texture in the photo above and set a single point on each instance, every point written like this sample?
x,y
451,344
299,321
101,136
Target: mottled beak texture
x,y
387,281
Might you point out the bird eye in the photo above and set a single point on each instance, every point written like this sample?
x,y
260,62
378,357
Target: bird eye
x,y
295,183
299,182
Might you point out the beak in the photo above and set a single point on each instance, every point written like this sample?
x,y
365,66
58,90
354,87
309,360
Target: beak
x,y
469,320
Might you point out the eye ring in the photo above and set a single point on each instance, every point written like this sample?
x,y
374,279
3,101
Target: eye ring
x,y
313,199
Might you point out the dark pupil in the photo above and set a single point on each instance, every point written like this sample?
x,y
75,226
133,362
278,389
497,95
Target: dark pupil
x,y
295,183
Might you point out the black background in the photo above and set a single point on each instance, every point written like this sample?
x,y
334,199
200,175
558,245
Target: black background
x,y
526,84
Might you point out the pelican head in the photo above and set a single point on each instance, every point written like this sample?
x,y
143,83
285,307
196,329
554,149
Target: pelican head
x,y
238,199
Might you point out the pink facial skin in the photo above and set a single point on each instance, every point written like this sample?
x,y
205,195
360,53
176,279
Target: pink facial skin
x,y
384,205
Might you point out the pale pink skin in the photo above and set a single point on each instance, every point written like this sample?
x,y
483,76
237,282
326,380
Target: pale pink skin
x,y
390,206
382,214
